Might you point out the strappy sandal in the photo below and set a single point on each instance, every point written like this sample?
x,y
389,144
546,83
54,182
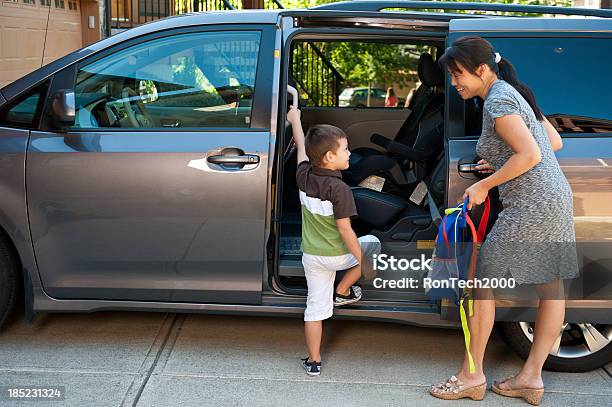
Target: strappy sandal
x,y
531,396
454,389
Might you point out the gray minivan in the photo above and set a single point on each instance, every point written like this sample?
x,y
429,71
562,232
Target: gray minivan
x,y
153,170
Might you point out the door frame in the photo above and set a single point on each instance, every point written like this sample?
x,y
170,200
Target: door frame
x,y
290,32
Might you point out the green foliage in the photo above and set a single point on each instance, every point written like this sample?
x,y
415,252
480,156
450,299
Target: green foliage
x,y
363,63
187,73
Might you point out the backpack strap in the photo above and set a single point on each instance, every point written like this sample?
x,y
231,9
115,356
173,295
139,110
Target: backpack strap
x,y
467,296
466,329
475,244
484,220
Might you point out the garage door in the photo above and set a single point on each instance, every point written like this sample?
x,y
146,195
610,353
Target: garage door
x,y
22,34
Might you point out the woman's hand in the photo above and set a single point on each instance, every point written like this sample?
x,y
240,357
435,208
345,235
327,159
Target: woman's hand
x,y
477,194
484,167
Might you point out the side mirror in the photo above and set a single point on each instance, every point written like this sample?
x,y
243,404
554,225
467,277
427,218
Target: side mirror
x,y
62,109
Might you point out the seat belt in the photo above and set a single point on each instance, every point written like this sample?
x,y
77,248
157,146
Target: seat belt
x,y
433,210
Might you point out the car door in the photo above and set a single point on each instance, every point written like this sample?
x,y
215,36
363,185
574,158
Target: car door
x,y
159,190
572,86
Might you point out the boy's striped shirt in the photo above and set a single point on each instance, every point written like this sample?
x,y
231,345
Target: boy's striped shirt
x,y
324,197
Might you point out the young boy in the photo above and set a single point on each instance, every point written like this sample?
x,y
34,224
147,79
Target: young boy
x,y
328,240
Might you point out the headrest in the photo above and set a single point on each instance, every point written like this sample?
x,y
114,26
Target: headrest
x,y
430,73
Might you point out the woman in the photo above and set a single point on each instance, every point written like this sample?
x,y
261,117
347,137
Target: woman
x,y
390,99
533,236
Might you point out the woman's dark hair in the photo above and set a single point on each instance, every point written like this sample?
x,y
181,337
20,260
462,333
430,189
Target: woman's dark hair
x,y
390,92
473,51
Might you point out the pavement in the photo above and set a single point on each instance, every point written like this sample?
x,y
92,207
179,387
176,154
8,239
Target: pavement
x,y
167,359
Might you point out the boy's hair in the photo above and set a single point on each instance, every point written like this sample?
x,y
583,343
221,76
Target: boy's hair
x,y
320,139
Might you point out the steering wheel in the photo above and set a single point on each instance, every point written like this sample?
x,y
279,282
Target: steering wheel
x,y
140,118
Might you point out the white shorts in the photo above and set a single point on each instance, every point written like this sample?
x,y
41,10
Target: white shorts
x,y
320,272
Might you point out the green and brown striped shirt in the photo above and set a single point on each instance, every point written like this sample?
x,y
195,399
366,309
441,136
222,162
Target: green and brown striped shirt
x,y
324,197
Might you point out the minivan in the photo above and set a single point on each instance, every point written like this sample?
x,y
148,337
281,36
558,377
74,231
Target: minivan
x,y
154,170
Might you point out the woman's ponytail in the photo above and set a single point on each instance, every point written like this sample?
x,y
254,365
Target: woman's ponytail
x,y
505,70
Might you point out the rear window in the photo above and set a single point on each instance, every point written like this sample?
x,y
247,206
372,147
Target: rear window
x,y
570,77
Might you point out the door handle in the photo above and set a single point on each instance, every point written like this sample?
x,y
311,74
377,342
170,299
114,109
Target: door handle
x,y
294,94
469,168
233,159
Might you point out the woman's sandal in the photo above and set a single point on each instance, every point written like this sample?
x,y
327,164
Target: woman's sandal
x,y
454,389
531,396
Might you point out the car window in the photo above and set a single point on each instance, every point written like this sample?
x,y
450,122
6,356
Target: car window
x,y
569,78
25,111
346,93
196,80
379,93
339,73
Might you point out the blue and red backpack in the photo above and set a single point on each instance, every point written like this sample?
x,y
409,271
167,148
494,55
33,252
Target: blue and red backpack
x,y
454,257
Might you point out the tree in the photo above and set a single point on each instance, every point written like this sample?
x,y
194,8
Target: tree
x,y
362,63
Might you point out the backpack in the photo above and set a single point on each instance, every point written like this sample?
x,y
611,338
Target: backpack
x,y
454,261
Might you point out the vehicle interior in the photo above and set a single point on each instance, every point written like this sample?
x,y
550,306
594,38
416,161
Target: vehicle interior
x,y
401,145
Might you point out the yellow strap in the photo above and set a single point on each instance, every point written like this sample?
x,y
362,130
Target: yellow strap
x,y
466,334
451,210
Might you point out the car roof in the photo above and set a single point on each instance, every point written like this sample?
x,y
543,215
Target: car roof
x,y
532,24
378,5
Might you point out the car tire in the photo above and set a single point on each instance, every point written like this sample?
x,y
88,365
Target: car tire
x,y
573,355
9,282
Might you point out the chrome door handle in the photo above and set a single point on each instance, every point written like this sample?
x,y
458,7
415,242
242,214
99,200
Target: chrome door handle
x,y
469,168
233,159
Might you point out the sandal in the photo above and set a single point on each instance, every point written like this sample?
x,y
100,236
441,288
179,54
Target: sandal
x,y
454,389
530,395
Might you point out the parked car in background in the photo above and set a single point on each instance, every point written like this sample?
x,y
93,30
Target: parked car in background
x,y
358,97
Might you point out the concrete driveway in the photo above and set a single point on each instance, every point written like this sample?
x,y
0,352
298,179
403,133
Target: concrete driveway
x,y
159,359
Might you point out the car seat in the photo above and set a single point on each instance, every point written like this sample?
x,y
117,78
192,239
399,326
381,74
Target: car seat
x,y
383,211
410,144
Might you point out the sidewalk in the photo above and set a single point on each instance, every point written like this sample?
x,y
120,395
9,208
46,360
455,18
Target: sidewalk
x,y
150,359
